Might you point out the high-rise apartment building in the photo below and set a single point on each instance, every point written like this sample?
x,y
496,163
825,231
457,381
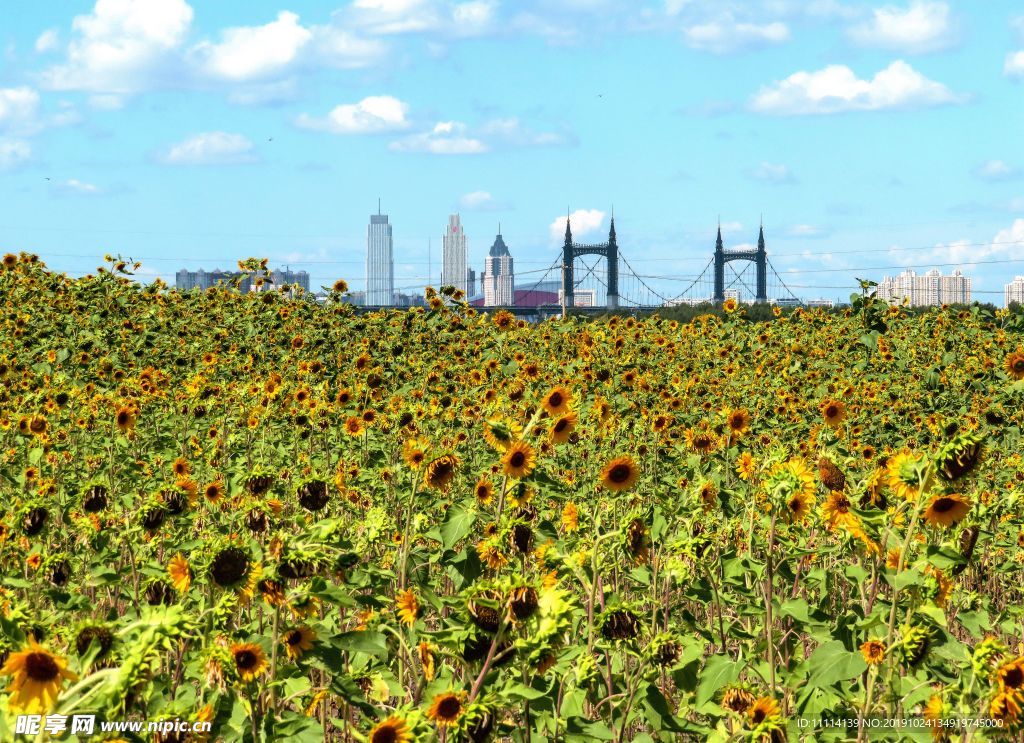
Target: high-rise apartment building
x,y
499,277
454,256
380,265
931,289
1014,291
185,280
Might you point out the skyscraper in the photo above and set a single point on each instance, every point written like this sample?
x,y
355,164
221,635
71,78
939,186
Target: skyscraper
x,y
380,266
454,254
932,289
499,278
1014,291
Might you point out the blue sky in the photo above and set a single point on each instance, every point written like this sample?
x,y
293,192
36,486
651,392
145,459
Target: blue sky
x,y
183,133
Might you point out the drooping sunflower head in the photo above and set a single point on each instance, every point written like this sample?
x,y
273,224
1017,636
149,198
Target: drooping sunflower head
x,y
230,567
960,456
440,472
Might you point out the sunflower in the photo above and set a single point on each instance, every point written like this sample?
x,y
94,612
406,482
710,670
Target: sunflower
x,y
873,652
570,517
701,439
1006,707
230,567
1014,364
745,466
902,476
730,305
519,460
563,427
500,433
620,474
441,471
180,467
764,711
414,451
798,505
556,401
250,660
37,678
737,699
834,412
447,707
297,641
125,419
484,491
354,426
408,607
425,651
1010,676
392,730
180,573
738,422
213,491
946,510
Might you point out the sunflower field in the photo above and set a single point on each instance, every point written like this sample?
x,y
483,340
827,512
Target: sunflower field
x,y
295,522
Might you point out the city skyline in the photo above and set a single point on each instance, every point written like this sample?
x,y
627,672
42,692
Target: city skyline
x,y
833,118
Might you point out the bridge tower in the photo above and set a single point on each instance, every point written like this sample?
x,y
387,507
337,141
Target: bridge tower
x,y
609,250
759,257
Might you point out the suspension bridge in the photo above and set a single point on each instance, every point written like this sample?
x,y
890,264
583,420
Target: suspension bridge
x,y
599,276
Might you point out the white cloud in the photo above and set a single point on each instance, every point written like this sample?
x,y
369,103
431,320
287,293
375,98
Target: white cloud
x,y
440,17
836,89
48,41
474,16
923,26
481,201
121,45
211,148
446,138
396,16
996,170
14,152
1014,65
726,36
1006,242
381,113
582,222
772,173
805,230
19,108
336,47
254,52
456,138
75,187
510,131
